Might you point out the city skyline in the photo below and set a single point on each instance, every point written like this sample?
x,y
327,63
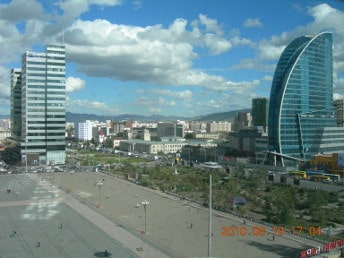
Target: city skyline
x,y
196,58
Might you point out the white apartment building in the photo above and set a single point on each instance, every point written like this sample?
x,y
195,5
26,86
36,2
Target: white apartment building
x,y
84,131
221,126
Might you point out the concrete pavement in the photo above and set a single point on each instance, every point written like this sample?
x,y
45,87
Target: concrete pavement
x,y
169,220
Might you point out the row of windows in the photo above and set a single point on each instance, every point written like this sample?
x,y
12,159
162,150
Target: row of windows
x,y
46,116
48,98
44,110
36,63
56,64
48,92
44,75
43,135
43,122
45,104
54,147
44,87
44,126
43,81
50,57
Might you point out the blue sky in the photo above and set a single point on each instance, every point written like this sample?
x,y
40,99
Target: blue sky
x,y
180,57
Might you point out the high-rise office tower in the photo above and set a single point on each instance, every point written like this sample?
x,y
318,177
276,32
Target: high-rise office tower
x,y
339,112
260,107
301,98
38,106
16,103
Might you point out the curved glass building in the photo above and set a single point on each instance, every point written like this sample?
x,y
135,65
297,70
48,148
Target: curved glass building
x,y
301,98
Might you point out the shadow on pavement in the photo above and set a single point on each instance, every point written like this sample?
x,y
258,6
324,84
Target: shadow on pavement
x,y
102,254
281,250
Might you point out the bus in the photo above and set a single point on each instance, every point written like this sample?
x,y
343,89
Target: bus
x,y
319,178
333,177
298,174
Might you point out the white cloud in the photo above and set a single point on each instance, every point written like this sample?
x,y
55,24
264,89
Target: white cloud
x,y
338,83
74,84
138,4
89,107
249,23
338,96
149,54
20,10
154,110
267,78
5,89
211,25
184,95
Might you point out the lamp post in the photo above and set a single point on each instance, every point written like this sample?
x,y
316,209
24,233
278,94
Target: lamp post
x,y
145,203
210,168
99,184
210,213
26,156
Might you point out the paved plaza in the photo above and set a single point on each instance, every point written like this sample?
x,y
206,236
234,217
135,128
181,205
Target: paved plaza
x,y
58,215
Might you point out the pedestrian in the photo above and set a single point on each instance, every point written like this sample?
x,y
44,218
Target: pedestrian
x,y
191,225
38,244
273,237
106,253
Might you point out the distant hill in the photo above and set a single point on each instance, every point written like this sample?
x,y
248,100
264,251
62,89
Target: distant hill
x,y
78,118
224,116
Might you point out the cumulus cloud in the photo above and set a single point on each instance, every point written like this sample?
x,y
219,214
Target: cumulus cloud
x,y
20,10
74,84
90,107
154,110
249,23
5,82
163,56
184,95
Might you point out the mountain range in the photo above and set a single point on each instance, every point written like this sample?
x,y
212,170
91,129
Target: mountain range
x,y
78,118
223,116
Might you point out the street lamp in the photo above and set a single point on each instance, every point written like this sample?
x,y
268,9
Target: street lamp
x,y
145,203
26,156
210,168
210,214
99,184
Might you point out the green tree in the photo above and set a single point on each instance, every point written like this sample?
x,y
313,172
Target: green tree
x,y
316,199
12,155
267,208
108,143
319,217
189,136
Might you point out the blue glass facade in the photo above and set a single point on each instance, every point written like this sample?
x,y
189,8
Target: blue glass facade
x,y
301,98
